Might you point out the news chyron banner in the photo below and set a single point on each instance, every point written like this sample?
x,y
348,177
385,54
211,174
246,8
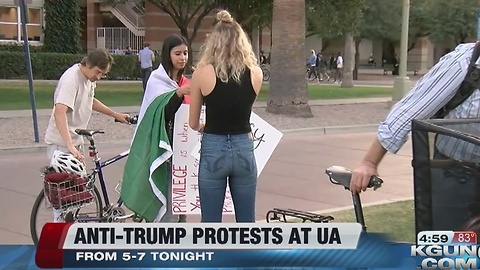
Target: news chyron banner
x,y
189,245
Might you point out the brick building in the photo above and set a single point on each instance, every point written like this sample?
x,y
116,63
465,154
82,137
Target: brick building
x,y
128,24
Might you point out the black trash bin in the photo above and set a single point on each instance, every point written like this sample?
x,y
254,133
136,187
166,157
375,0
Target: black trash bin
x,y
446,168
395,69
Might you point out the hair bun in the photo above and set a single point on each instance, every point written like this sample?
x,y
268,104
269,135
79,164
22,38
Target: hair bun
x,y
224,16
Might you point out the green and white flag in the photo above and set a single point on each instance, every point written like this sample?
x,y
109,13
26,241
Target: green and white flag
x,y
144,185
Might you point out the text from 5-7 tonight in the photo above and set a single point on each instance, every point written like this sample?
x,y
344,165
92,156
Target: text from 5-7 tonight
x,y
105,256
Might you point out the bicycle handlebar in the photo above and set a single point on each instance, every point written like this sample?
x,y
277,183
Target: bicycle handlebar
x,y
132,120
342,176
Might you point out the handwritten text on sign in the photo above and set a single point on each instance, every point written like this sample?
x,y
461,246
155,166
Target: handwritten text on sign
x,y
185,199
265,140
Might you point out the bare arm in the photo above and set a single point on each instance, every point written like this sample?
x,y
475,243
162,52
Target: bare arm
x,y
196,100
98,106
257,79
101,108
60,115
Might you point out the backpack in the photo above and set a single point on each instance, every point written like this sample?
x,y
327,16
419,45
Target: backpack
x,y
317,61
469,84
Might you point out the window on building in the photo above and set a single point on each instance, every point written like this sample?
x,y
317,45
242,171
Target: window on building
x,y
10,24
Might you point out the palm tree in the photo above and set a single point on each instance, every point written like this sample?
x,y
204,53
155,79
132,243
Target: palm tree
x,y
288,87
348,59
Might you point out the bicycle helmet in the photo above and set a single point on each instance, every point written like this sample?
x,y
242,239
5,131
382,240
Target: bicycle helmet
x,y
66,162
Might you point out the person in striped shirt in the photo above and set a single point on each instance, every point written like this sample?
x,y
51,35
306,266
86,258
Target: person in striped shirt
x,y
433,91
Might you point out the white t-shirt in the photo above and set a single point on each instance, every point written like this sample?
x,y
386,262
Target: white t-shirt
x,y
339,61
75,91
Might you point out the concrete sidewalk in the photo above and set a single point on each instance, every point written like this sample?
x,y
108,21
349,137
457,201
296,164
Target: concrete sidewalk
x,y
259,104
294,177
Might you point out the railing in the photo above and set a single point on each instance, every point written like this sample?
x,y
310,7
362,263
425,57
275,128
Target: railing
x,y
138,8
126,10
117,39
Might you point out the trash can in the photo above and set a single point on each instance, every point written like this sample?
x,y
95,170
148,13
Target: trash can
x,y
446,170
396,69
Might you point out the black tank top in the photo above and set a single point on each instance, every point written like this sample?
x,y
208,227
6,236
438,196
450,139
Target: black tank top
x,y
229,105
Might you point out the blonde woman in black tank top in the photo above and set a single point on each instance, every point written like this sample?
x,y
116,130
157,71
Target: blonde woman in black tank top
x,y
227,80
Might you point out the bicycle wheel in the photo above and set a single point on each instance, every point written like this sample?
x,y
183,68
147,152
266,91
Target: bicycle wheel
x,y
42,213
266,75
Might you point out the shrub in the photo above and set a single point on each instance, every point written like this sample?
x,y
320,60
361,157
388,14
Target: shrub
x,y
62,26
50,66
18,47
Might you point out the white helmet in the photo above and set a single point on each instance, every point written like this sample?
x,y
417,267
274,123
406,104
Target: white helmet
x,y
66,162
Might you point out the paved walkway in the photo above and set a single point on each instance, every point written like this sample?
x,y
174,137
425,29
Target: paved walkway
x,y
294,177
258,104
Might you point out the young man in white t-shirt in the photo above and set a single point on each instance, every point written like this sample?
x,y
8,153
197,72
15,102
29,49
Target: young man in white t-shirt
x,y
74,102
338,68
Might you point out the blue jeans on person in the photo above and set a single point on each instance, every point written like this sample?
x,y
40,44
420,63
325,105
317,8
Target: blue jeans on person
x,y
227,158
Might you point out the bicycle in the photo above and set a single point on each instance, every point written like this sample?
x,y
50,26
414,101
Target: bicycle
x,y
339,176
266,73
83,194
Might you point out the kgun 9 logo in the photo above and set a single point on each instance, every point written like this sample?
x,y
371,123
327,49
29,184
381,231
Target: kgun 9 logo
x,y
446,257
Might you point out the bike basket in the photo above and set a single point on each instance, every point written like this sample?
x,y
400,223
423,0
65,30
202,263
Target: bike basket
x,y
65,190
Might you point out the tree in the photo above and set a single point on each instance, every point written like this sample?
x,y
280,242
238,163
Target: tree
x,y
348,65
382,20
249,13
453,21
336,19
252,15
184,13
62,26
333,18
288,87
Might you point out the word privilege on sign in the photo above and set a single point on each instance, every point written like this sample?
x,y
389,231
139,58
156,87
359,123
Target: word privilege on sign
x,y
212,236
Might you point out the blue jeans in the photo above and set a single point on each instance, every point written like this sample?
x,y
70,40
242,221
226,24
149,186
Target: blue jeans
x,y
227,158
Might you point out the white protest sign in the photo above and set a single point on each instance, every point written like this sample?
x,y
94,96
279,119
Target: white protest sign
x,y
265,140
185,198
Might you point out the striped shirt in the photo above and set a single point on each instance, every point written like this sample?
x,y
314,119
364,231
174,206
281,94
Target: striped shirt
x,y
433,91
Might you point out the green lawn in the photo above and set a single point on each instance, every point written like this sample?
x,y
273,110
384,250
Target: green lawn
x,y
396,220
15,96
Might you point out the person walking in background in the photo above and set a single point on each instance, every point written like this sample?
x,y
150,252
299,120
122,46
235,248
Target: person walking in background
x,y
338,68
331,66
129,51
146,57
322,68
228,80
312,64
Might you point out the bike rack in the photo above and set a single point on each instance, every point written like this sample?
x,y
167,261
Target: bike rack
x,y
338,176
281,215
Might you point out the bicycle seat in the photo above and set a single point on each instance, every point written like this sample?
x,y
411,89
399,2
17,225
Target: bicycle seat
x,y
341,176
88,132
